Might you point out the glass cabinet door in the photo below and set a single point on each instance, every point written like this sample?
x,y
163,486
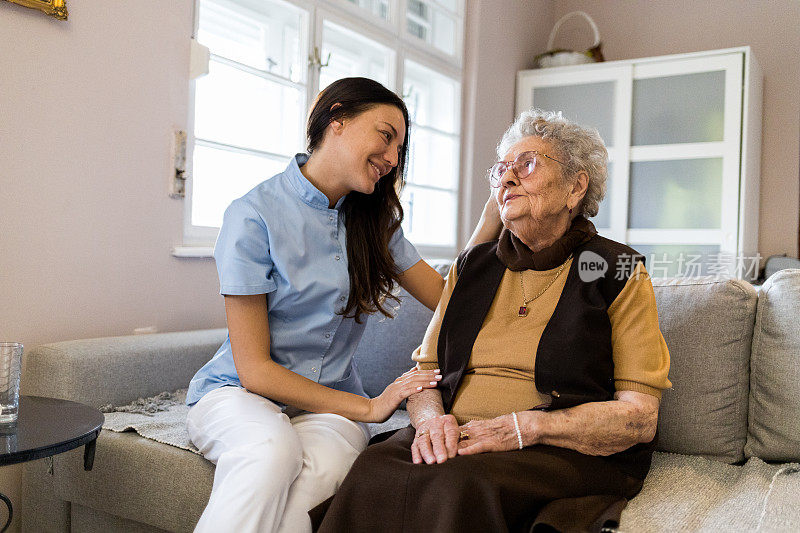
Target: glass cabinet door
x,y
684,155
591,104
683,108
677,194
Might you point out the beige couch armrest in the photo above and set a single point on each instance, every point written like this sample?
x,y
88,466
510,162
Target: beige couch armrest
x,y
117,370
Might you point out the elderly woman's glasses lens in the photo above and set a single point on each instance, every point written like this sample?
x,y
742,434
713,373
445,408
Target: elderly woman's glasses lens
x,y
523,166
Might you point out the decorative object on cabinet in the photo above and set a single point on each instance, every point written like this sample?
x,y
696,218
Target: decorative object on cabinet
x,y
684,136
560,57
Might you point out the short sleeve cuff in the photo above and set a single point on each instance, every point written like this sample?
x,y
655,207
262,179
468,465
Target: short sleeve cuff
x,y
424,361
247,290
624,384
409,258
403,252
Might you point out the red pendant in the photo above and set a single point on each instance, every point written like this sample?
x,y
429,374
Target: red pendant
x,y
523,311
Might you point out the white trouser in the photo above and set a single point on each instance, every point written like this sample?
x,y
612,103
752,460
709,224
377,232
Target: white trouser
x,y
271,470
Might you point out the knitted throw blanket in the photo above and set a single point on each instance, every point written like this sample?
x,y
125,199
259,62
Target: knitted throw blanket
x,y
161,418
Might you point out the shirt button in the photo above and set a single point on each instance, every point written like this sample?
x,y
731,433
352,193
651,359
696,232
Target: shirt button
x,y
327,335
330,218
341,298
337,257
313,369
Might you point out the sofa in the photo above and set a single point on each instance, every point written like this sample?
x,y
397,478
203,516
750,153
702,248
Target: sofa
x,y
729,427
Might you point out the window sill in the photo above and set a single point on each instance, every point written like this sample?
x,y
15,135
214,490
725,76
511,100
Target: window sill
x,y
193,251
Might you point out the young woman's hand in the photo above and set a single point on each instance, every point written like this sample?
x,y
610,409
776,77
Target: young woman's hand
x,y
491,211
413,381
490,224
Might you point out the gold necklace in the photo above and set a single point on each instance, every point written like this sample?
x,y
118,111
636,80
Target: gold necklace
x,y
523,310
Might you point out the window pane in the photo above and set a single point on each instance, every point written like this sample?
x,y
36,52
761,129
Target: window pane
x,y
220,176
265,34
691,260
452,5
676,194
434,159
430,216
679,109
433,99
589,104
380,8
432,25
237,108
352,54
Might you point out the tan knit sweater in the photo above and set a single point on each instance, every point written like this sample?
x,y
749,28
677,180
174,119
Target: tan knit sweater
x,y
498,378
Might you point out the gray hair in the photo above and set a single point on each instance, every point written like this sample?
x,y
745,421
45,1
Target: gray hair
x,y
579,147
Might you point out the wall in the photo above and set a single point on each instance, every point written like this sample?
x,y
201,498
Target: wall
x,y
643,28
87,108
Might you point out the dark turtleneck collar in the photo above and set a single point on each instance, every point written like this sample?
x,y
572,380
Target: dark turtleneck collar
x,y
516,255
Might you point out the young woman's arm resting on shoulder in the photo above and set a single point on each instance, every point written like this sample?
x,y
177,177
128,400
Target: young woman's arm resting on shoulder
x,y
425,284
249,332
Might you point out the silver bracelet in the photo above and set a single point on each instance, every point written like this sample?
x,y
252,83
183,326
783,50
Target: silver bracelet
x,y
516,426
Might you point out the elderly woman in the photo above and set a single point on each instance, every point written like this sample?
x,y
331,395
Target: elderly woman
x,y
553,366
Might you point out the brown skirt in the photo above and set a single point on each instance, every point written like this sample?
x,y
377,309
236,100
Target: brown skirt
x,y
538,488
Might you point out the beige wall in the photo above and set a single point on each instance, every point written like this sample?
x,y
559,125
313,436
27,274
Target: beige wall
x,y
642,28
88,107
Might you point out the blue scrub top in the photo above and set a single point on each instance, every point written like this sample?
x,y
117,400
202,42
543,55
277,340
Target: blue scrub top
x,y
282,240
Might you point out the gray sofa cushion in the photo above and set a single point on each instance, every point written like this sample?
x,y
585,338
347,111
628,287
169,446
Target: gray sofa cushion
x,y
685,493
708,327
88,520
385,349
774,430
117,370
135,479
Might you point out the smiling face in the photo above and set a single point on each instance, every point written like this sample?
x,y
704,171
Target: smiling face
x,y
537,202
369,146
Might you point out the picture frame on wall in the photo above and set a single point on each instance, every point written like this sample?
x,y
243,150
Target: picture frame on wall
x,y
55,8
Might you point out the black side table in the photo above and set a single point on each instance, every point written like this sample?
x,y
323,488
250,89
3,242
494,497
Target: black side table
x,y
47,427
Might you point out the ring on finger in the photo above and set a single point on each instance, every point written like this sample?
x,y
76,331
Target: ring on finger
x,y
422,433
463,435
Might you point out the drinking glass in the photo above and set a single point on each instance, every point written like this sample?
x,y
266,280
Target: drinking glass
x,y
10,362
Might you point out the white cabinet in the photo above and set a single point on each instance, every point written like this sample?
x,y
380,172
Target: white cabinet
x,y
683,134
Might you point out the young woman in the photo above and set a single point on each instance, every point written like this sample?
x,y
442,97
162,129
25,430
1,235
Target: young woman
x,y
302,259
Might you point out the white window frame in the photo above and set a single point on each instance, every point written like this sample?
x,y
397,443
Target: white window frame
x,y
392,33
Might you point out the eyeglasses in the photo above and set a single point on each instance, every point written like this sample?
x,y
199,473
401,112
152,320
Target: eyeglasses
x,y
523,166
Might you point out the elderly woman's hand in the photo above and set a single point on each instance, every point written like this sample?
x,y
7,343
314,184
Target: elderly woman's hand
x,y
436,440
493,435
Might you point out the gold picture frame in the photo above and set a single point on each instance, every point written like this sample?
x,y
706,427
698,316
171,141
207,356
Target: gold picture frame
x,y
54,8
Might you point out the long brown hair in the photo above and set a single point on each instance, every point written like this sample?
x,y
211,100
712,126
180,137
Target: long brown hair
x,y
370,219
